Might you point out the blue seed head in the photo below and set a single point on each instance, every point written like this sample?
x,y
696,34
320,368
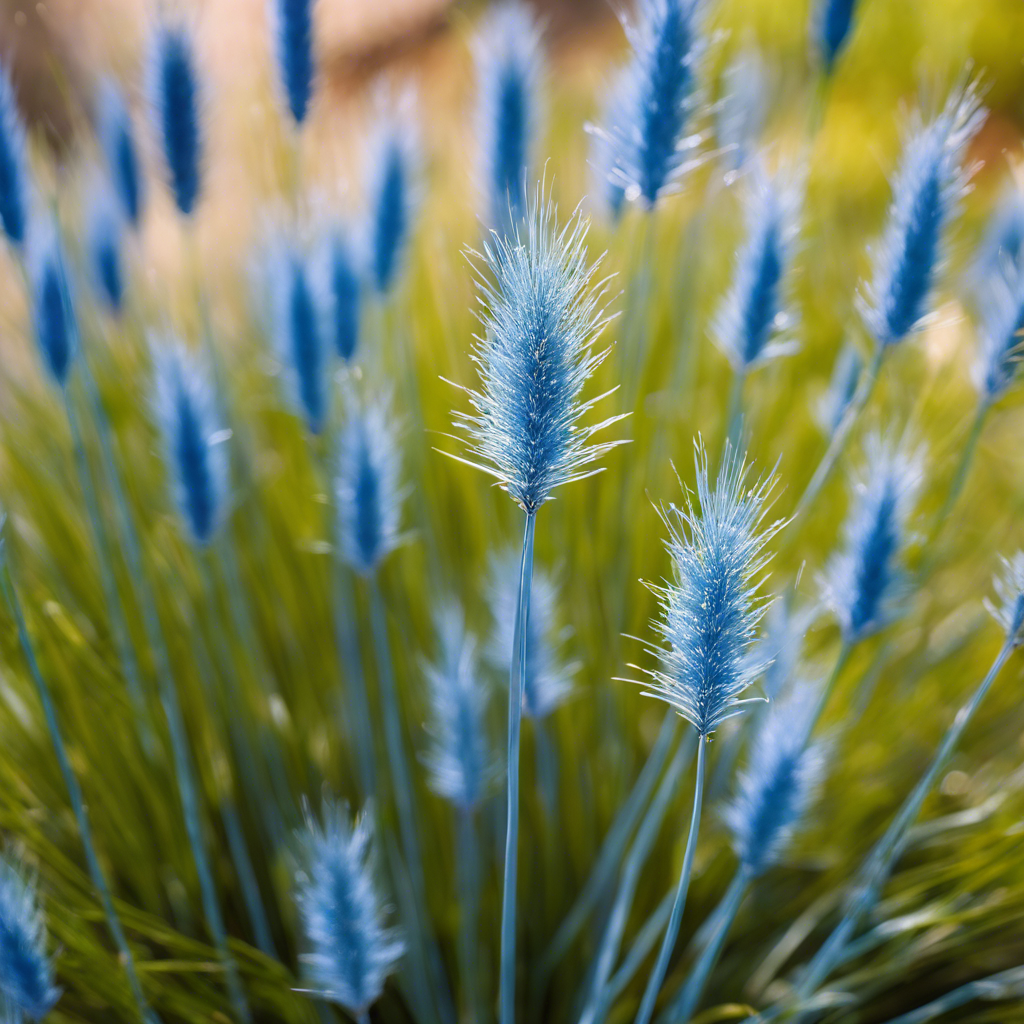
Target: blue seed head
x,y
741,109
175,101
368,491
542,314
104,239
193,440
1002,244
655,139
351,952
1001,333
343,291
777,787
925,194
548,677
1008,609
53,304
292,27
460,760
841,389
830,28
754,321
508,67
26,972
14,171
298,324
711,607
865,581
117,140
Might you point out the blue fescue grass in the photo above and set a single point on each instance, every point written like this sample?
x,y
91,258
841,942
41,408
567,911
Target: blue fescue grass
x,y
710,611
352,952
27,987
176,104
508,66
15,180
1001,245
830,29
291,23
116,135
104,242
1005,985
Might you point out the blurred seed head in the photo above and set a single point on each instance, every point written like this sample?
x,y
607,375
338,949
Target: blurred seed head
x,y
741,109
193,441
104,241
117,140
841,389
53,304
712,606
351,953
1002,245
1001,333
830,28
342,287
291,23
1008,609
15,178
608,178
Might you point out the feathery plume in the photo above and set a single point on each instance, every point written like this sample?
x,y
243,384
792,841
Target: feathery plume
x,y
14,170
660,95
777,787
26,972
53,307
344,290
1001,333
926,191
711,607
352,951
841,389
292,26
194,452
753,321
297,308
1002,244
390,196
548,682
830,28
104,238
1009,588
863,583
508,67
117,140
460,759
741,108
175,102
542,314
368,492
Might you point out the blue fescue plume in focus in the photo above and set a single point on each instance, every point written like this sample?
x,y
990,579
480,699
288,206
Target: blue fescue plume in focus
x,y
926,192
508,58
53,308
117,140
541,317
297,309
460,760
830,27
741,108
864,582
175,102
104,241
710,611
654,136
390,196
841,389
368,491
291,23
754,318
1001,333
344,293
548,681
26,972
193,440
14,169
351,951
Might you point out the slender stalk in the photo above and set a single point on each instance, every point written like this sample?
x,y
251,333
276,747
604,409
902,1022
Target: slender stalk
x,y
734,413
517,683
654,982
888,849
402,791
1004,985
956,485
247,877
841,435
845,650
613,846
99,880
611,941
638,953
725,913
469,904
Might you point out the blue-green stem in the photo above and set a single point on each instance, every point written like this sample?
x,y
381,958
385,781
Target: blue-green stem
x,y
469,910
99,880
657,977
402,792
516,686
887,850
1005,985
845,650
632,867
734,411
725,914
613,847
638,953
956,485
